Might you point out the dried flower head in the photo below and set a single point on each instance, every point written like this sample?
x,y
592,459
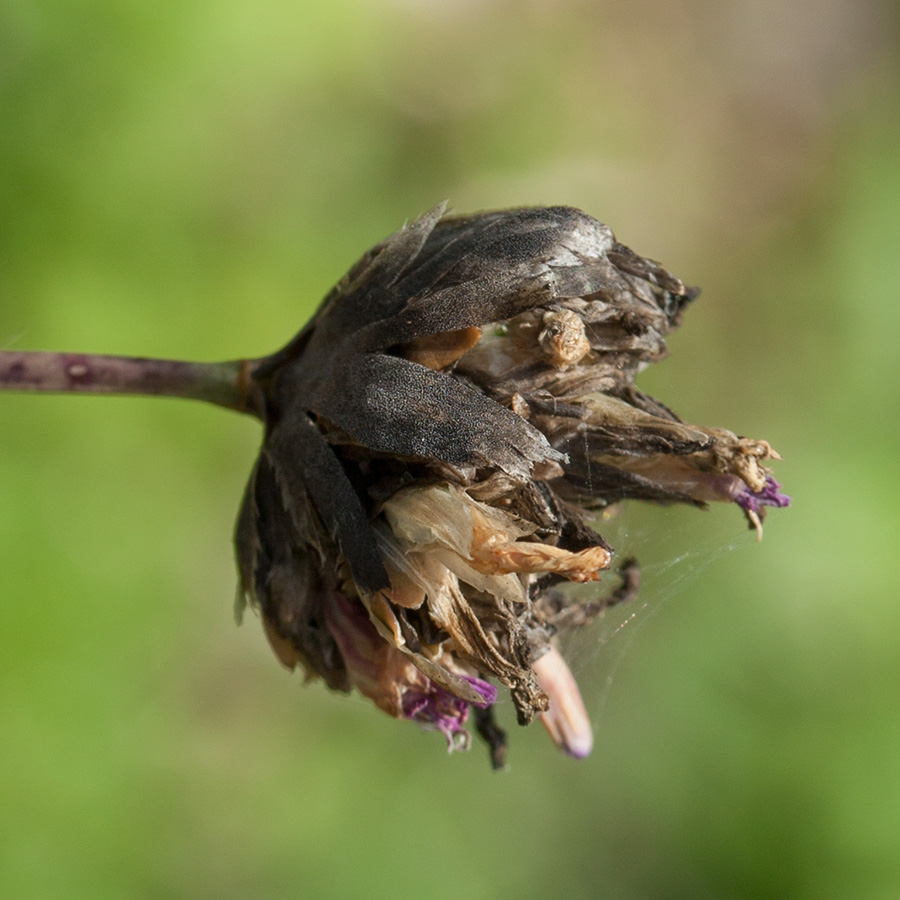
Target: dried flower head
x,y
436,439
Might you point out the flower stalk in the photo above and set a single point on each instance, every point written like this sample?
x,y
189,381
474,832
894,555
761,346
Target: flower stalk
x,y
226,384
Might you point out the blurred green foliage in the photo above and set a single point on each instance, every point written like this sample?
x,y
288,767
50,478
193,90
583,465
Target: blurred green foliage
x,y
187,179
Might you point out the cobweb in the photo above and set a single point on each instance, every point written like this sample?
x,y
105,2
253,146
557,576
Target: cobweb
x,y
673,547
12,341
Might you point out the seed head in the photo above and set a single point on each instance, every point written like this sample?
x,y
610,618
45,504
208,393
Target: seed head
x,y
436,441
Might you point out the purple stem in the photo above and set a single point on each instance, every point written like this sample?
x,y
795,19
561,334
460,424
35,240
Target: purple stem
x,y
226,384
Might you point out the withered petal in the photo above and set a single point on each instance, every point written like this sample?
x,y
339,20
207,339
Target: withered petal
x,y
388,627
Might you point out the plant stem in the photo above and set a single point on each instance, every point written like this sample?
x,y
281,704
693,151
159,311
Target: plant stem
x,y
226,384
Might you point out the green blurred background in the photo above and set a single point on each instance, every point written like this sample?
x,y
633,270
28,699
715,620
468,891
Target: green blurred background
x,y
187,180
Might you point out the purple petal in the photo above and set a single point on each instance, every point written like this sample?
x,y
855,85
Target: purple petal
x,y
770,495
434,707
486,690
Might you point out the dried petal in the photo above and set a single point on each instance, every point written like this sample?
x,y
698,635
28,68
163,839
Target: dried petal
x,y
770,495
530,557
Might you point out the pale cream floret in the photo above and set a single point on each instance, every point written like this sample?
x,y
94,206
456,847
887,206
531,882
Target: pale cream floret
x,y
566,719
